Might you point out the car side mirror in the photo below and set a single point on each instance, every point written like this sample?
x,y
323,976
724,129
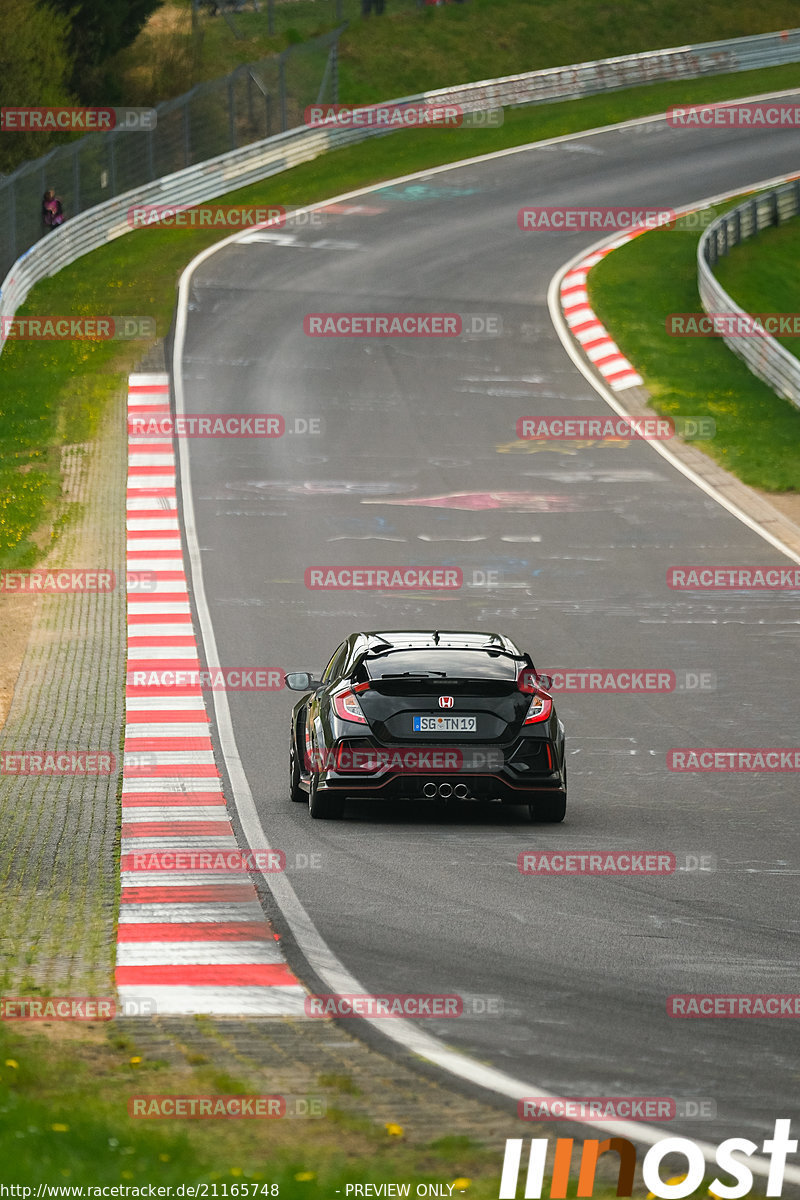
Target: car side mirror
x,y
301,681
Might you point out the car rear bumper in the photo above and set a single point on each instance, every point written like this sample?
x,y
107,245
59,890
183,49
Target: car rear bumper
x,y
478,787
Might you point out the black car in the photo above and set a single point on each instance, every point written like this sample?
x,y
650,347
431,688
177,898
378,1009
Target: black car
x,y
434,714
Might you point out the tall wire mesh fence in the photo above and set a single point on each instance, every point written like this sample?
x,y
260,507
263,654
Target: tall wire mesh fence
x,y
254,102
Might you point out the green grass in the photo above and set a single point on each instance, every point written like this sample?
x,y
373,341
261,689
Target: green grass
x,y
633,291
64,1121
55,393
411,49
761,275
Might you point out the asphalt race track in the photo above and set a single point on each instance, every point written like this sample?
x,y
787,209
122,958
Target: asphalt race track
x,y
418,463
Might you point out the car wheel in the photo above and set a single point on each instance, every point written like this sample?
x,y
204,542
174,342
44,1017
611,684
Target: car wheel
x,y
550,809
321,805
296,793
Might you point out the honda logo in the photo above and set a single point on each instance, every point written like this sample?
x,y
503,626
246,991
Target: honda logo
x,y
446,702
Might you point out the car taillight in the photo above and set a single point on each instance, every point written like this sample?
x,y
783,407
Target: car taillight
x,y
528,682
540,708
346,706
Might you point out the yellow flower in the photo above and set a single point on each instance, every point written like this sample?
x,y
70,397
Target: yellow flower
x,y
679,1179
127,1174
236,1170
304,1176
163,1158
394,1130
12,1062
60,1128
461,1184
134,1062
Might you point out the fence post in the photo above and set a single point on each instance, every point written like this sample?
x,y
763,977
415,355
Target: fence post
x,y
282,77
187,149
232,112
76,179
12,213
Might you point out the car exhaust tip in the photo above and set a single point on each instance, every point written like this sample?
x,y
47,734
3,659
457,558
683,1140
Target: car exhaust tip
x,y
445,790
461,791
429,790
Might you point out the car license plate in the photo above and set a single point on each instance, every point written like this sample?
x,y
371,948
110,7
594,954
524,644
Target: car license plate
x,y
445,724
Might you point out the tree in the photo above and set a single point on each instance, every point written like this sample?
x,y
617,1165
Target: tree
x,y
98,30
34,70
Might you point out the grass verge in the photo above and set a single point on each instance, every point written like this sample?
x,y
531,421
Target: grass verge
x,y
64,1095
54,393
633,291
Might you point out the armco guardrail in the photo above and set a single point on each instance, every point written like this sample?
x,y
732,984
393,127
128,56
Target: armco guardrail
x,y
765,357
213,178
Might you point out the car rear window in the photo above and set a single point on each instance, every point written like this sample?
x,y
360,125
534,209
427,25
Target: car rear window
x,y
456,664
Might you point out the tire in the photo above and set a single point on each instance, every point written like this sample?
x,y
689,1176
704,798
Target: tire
x,y
322,806
550,809
296,793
